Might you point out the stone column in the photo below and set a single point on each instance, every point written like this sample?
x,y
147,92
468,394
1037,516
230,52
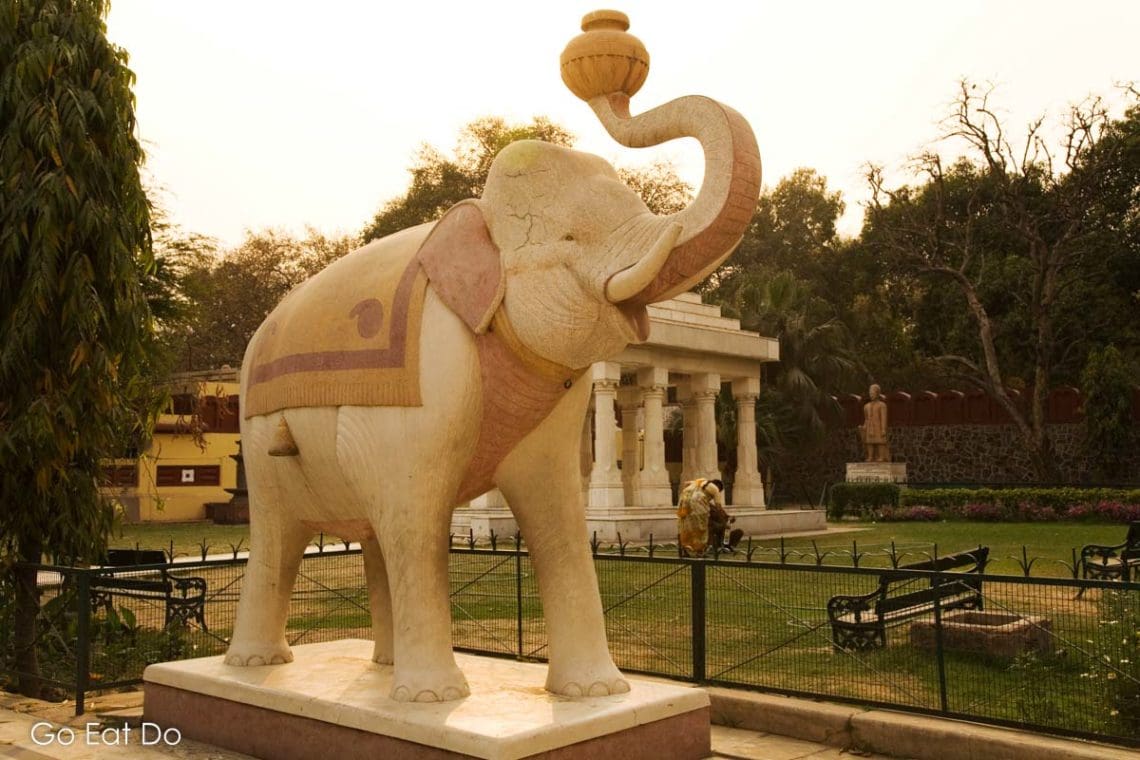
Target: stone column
x,y
705,388
630,445
655,490
747,485
605,479
689,433
586,448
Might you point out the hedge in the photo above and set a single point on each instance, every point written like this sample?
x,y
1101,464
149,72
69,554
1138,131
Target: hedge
x,y
1059,499
1016,504
861,498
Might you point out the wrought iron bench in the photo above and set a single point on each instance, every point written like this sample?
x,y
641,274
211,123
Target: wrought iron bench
x,y
1119,562
860,622
183,597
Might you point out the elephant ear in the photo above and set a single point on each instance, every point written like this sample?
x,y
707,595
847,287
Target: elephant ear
x,y
463,265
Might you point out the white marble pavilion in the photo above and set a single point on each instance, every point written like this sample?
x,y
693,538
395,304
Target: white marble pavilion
x,y
693,349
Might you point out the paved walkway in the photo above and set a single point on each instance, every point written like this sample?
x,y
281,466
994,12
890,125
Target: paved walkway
x,y
33,735
27,727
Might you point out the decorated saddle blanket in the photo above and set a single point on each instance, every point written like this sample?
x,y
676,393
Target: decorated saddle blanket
x,y
348,336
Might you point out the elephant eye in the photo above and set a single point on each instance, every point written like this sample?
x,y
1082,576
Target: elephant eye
x,y
568,236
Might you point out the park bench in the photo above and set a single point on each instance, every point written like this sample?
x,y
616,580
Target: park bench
x,y
183,597
1119,562
860,622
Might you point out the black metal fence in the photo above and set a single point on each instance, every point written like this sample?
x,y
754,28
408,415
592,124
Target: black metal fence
x,y
1057,655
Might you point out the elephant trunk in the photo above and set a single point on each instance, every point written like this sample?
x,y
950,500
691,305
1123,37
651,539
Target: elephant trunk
x,y
712,225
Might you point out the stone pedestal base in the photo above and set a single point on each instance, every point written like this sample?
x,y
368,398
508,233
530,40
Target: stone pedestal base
x,y
502,522
876,472
332,702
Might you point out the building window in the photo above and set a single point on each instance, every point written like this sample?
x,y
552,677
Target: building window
x,y
171,475
121,475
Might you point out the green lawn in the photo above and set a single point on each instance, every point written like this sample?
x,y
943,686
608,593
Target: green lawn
x,y
187,538
765,626
1051,543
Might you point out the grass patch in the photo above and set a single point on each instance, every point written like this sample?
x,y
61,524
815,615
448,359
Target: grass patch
x,y
187,537
1052,544
766,627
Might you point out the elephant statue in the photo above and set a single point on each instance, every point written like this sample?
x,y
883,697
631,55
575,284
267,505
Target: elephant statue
x,y
435,364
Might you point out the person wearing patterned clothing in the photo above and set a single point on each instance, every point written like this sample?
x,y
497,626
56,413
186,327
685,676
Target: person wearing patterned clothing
x,y
698,499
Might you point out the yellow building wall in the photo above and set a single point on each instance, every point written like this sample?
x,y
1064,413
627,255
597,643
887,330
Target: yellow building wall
x,y
180,503
151,502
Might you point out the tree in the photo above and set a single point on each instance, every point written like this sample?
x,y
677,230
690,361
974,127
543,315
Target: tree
x,y
440,181
796,406
1111,296
1000,241
779,283
1107,388
169,288
233,294
659,185
792,229
74,320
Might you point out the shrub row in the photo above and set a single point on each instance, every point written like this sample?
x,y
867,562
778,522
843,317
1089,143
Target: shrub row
x,y
861,499
1060,499
886,501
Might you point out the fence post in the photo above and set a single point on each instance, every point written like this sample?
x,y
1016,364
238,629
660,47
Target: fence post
x,y
82,638
697,598
518,593
938,648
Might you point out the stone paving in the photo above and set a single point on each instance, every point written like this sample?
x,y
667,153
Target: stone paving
x,y
20,718
753,745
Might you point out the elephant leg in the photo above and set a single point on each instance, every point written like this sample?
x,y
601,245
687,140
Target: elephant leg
x,y
542,482
379,600
412,532
277,545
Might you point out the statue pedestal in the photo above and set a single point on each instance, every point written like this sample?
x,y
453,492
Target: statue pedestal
x,y
876,472
332,701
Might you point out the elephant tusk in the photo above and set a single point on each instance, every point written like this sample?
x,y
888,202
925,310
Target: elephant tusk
x,y
633,279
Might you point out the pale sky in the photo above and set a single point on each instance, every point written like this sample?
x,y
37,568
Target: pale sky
x,y
260,113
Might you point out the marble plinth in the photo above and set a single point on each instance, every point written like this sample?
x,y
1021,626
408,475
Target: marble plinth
x,y
332,702
876,472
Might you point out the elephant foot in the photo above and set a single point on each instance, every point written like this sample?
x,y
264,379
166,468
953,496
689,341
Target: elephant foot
x,y
429,685
243,656
586,682
382,656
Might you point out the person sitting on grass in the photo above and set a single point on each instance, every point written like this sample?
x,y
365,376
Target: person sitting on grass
x,y
701,519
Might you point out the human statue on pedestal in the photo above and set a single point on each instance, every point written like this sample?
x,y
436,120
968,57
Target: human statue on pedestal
x,y
873,431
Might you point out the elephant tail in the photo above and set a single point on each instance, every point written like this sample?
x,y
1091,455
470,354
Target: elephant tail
x,y
283,444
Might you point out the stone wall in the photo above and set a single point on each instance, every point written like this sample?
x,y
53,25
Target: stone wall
x,y
949,454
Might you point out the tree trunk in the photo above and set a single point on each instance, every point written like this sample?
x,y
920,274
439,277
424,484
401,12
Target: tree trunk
x,y
27,609
1040,445
1033,430
1044,289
